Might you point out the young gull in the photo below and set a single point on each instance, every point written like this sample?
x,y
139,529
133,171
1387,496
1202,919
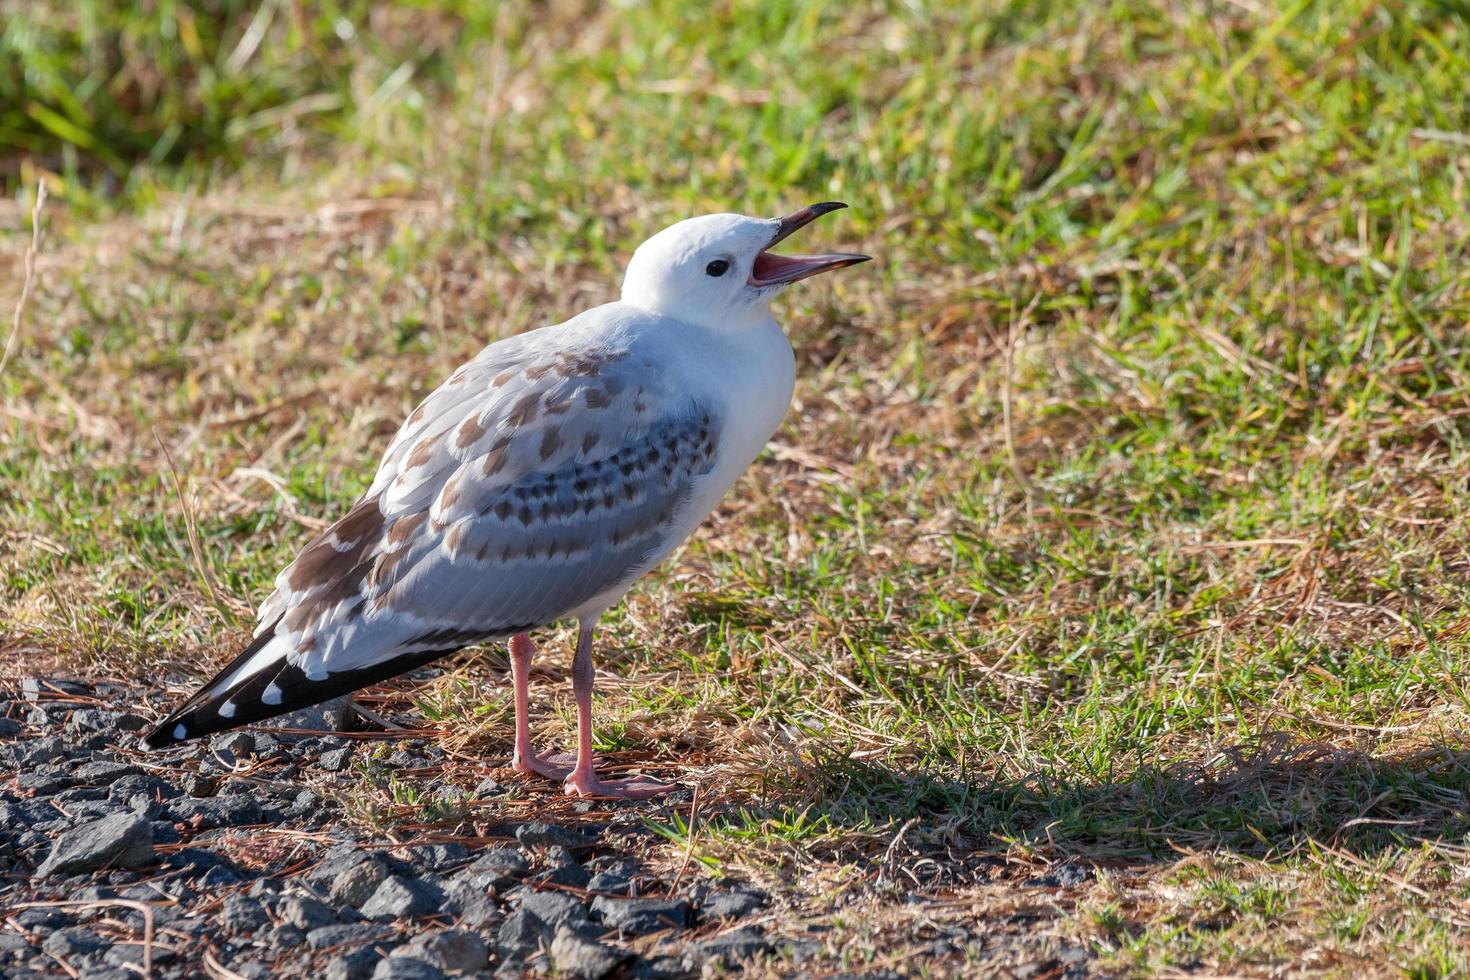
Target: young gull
x,y
538,483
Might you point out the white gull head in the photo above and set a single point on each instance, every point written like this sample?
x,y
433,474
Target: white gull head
x,y
716,271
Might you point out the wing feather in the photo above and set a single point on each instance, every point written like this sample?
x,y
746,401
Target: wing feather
x,y
531,482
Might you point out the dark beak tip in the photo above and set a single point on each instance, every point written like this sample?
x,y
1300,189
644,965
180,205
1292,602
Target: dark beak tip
x,y
803,217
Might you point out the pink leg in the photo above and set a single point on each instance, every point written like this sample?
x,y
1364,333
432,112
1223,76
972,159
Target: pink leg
x,y
584,781
526,759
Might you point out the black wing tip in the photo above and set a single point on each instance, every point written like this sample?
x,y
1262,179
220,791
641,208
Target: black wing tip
x,y
200,715
164,735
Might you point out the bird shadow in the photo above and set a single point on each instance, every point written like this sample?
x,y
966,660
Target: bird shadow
x,y
1264,799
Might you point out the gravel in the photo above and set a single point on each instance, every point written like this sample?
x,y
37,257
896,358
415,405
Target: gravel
x,y
336,760
732,904
556,909
521,932
398,897
216,811
123,840
642,915
577,956
741,944
356,965
241,915
350,934
356,884
404,968
502,866
239,847
305,913
539,833
451,950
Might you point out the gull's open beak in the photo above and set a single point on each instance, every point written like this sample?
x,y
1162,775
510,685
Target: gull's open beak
x,y
778,270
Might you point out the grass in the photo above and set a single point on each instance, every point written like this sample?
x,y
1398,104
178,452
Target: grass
x,y
1189,612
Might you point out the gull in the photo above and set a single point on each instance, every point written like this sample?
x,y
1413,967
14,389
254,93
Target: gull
x,y
537,484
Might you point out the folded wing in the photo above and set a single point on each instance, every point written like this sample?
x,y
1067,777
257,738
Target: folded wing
x,y
527,485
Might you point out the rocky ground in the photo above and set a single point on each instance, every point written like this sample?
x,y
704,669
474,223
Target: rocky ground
x,y
251,855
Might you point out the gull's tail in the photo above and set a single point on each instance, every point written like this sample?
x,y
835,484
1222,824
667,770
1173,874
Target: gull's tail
x,y
262,683
215,708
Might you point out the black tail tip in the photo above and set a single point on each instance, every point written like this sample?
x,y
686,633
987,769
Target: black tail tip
x,y
166,734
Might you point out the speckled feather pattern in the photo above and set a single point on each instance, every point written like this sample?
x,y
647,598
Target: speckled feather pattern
x,y
537,483
523,487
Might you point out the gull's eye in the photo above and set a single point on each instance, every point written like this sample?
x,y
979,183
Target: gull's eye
x,y
717,268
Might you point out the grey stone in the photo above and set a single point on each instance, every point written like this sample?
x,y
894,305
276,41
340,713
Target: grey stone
x,y
539,833
51,688
241,916
554,908
587,959
43,783
1062,876
105,773
406,759
609,882
406,968
336,715
335,760
98,720
216,811
24,813
40,751
438,856
660,968
95,970
123,840
304,804
356,885
284,938
451,950
569,875
93,809
9,728
306,913
641,915
732,904
505,863
47,919
338,859
96,967
236,743
521,933
489,786
473,898
356,965
1073,955
197,785
253,970
398,897
741,944
129,785
801,950
73,941
76,794
350,934
129,955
